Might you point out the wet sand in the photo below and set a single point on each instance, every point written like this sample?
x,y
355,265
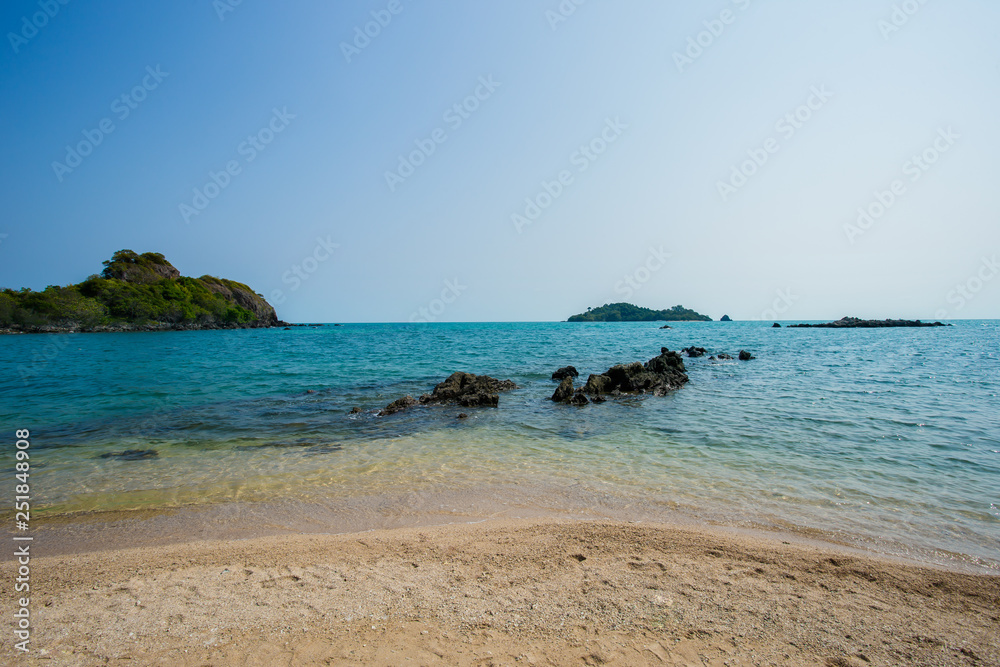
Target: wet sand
x,y
528,592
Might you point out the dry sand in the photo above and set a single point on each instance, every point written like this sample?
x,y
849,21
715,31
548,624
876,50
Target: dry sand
x,y
504,593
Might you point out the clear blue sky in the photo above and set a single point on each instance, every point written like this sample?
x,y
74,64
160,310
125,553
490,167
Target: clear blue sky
x,y
664,121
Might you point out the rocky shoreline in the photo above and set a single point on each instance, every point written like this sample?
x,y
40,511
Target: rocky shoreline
x,y
135,328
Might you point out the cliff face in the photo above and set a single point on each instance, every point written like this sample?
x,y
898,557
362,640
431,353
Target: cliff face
x,y
137,293
244,297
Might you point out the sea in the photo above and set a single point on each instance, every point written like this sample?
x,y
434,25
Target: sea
x,y
886,440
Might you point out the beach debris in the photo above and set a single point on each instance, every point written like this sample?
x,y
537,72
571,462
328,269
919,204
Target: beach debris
x,y
746,356
565,372
132,455
694,351
657,376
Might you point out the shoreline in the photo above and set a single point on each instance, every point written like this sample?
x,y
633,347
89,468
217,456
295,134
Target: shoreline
x,y
531,591
93,531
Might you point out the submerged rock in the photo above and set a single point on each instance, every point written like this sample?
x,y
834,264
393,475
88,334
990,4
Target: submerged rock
x,y
746,356
657,376
579,398
462,415
132,455
565,372
666,326
722,356
356,410
398,405
694,351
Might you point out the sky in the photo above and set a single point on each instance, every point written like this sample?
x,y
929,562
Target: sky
x,y
404,160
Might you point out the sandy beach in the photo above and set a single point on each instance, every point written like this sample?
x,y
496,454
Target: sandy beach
x,y
530,592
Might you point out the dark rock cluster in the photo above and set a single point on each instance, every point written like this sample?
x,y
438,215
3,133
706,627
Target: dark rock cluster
x,y
464,389
857,323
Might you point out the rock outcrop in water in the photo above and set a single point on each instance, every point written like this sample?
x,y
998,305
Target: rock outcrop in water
x,y
694,351
726,318
657,376
397,406
856,323
565,372
746,356
468,390
465,389
564,391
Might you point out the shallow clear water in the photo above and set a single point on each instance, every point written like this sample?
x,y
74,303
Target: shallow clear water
x,y
880,437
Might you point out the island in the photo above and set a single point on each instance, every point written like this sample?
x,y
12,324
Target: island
x,y
136,293
627,312
857,323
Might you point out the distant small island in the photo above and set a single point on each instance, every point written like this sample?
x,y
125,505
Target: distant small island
x,y
136,293
626,312
857,323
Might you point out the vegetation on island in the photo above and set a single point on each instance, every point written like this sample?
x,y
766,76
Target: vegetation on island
x,y
626,312
136,291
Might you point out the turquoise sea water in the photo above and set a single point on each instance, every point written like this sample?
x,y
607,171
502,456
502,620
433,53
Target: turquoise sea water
x,y
888,438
